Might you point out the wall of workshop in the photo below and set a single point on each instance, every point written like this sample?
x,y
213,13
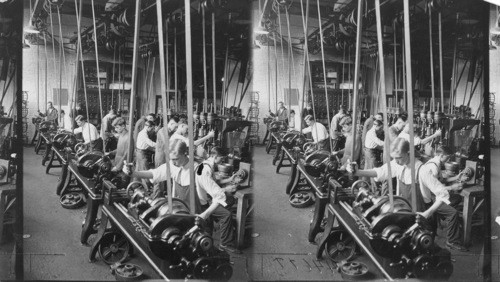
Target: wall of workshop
x,y
495,89
262,78
268,99
464,90
31,79
234,90
494,84
34,78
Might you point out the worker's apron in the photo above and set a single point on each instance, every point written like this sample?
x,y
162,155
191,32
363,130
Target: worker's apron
x,y
405,192
183,193
324,144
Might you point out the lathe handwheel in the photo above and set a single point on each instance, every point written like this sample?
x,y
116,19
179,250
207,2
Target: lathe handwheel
x,y
422,266
357,185
203,268
354,271
113,248
72,200
301,199
340,246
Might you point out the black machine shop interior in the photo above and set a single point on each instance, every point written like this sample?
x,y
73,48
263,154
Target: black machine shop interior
x,y
114,88
418,68
140,129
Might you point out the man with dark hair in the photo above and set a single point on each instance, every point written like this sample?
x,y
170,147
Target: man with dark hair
x,y
89,132
291,120
397,127
439,202
308,110
77,111
107,130
51,113
369,123
336,129
139,125
318,132
121,152
373,146
144,147
282,112
346,153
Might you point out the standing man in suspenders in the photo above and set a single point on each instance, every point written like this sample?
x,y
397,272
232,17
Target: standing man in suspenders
x,y
216,201
439,202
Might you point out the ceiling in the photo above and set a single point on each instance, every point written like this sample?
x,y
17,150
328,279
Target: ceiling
x,y
115,20
339,29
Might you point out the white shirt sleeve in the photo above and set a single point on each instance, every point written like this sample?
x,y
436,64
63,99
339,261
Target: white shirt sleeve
x,y
208,184
306,130
429,177
143,141
371,140
383,171
93,134
159,173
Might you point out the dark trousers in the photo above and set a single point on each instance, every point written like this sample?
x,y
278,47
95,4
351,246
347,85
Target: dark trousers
x,y
450,216
142,159
224,217
372,158
324,144
96,145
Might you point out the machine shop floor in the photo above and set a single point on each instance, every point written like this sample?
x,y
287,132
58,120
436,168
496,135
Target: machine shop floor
x,y
282,252
495,211
53,251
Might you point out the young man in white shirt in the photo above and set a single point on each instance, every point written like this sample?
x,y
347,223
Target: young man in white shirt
x,y
373,145
51,113
107,128
400,169
145,146
318,132
369,124
179,172
347,153
121,152
336,129
439,202
89,132
205,185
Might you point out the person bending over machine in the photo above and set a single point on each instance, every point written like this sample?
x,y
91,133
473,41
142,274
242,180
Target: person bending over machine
x,y
205,186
